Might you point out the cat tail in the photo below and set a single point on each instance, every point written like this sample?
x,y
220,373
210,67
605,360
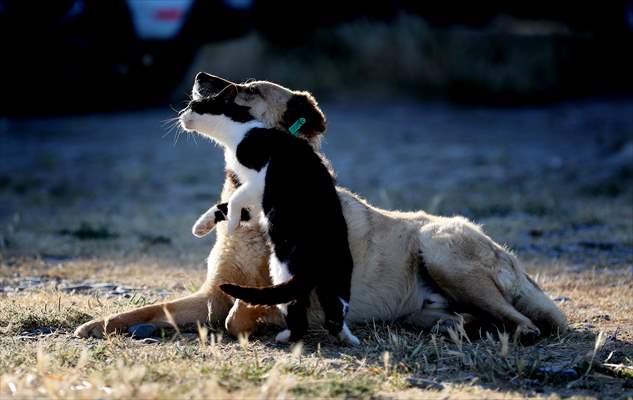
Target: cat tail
x,y
269,295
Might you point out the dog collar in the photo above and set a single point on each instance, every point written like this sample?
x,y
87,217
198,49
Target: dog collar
x,y
294,128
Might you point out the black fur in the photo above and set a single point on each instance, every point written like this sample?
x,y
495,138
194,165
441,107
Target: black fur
x,y
223,209
219,216
303,105
285,292
306,227
223,103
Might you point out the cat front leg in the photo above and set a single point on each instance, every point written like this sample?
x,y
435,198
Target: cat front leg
x,y
246,196
207,221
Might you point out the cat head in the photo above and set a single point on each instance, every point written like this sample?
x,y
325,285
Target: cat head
x,y
219,106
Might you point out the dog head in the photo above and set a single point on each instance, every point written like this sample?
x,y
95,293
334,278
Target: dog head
x,y
219,106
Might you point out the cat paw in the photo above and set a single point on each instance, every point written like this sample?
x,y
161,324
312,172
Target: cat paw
x,y
207,222
346,336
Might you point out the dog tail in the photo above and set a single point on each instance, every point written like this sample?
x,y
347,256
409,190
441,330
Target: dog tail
x,y
269,295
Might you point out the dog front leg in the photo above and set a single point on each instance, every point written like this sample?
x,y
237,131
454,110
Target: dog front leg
x,y
196,307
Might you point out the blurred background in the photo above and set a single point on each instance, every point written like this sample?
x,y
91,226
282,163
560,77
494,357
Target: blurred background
x,y
135,53
516,114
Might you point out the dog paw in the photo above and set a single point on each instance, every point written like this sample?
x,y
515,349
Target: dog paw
x,y
443,326
99,328
527,335
95,328
207,221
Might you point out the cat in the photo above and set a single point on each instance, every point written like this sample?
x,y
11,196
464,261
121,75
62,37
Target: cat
x,y
286,182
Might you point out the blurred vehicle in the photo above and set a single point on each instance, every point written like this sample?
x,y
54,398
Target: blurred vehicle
x,y
87,55
158,19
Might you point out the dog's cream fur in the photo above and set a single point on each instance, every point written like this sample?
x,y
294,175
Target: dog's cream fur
x,y
463,269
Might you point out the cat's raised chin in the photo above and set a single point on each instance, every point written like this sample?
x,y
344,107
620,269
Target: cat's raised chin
x,y
206,116
220,128
219,118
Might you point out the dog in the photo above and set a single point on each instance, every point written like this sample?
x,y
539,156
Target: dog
x,y
424,270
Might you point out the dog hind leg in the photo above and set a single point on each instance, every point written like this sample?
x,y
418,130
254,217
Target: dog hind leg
x,y
475,273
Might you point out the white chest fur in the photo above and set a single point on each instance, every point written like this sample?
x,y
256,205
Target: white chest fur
x,y
279,274
278,270
230,134
252,181
244,173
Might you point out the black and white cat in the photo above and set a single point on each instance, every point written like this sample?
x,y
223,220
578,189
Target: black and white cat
x,y
285,181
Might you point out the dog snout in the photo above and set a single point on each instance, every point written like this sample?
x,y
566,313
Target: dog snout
x,y
203,77
209,85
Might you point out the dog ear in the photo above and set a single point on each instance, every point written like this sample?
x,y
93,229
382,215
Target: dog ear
x,y
303,105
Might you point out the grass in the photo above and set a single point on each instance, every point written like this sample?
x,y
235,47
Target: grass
x,y
85,231
594,359
127,216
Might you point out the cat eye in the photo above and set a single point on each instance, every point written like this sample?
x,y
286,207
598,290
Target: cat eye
x,y
251,90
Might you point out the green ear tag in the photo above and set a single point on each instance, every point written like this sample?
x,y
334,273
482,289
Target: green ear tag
x,y
294,129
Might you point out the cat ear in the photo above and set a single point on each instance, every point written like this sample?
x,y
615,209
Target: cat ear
x,y
303,105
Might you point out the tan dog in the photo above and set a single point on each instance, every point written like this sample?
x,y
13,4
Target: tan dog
x,y
408,266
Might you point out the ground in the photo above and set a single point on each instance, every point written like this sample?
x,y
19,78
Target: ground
x,y
95,218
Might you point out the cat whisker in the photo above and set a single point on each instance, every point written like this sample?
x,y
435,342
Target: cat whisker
x,y
170,125
170,121
194,139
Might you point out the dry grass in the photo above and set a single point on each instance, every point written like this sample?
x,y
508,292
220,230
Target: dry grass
x,y
106,199
594,359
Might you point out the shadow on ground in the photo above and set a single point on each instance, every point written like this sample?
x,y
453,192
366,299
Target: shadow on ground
x,y
96,213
